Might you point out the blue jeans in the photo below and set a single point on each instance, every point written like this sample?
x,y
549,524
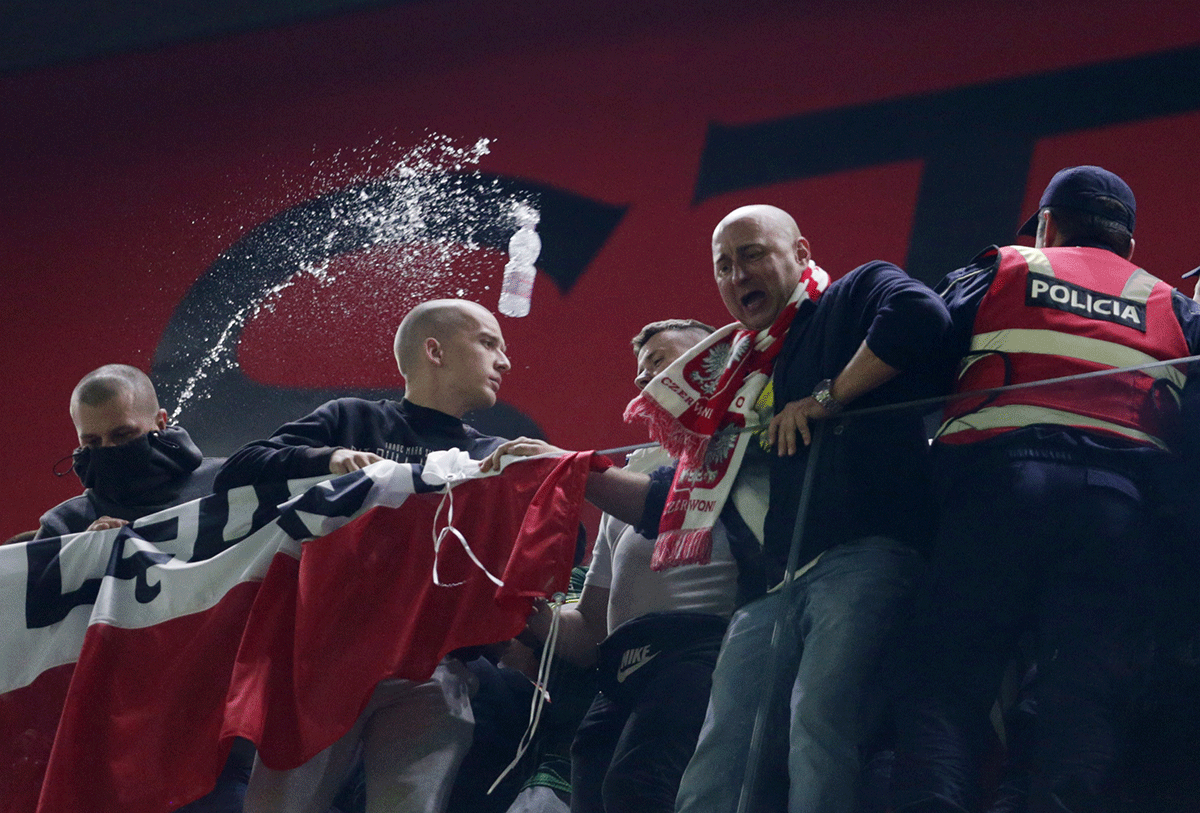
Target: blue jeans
x,y
835,620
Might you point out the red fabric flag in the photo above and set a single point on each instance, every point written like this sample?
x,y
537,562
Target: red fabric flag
x,y
364,598
284,650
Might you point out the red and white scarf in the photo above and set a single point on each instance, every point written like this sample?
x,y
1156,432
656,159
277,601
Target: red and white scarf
x,y
696,408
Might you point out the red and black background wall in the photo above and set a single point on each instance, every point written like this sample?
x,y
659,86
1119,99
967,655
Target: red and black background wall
x,y
160,169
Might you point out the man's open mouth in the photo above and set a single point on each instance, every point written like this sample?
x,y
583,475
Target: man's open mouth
x,y
752,298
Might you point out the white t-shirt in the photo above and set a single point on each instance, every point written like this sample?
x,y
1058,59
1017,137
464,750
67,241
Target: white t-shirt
x,y
621,562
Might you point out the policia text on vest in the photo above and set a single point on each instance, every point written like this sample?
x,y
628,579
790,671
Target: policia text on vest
x,y
1047,292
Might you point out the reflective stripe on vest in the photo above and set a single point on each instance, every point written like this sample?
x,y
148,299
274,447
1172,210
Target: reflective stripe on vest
x,y
1057,343
1036,260
1018,415
1095,311
1139,285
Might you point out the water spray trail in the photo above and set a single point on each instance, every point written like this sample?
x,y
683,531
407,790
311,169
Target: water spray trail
x,y
424,222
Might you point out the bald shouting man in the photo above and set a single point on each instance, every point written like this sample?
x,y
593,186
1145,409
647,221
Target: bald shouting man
x,y
864,340
802,349
413,736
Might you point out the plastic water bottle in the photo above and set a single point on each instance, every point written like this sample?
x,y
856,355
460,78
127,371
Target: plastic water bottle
x,y
523,249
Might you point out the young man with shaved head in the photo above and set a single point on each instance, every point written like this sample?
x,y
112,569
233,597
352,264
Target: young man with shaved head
x,y
412,736
451,354
802,349
131,462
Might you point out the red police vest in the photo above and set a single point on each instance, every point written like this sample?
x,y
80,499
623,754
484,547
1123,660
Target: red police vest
x,y
1062,311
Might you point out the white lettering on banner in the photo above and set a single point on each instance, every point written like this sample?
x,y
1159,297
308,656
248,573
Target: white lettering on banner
x,y
1042,292
68,572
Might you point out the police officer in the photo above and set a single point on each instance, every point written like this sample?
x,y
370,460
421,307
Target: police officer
x,y
1044,523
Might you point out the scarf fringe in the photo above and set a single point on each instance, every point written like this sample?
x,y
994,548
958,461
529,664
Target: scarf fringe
x,y
666,429
674,548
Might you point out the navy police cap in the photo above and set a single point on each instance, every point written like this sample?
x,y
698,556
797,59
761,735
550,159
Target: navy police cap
x,y
1080,188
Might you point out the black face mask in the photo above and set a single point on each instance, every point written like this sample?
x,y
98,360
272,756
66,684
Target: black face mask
x,y
142,471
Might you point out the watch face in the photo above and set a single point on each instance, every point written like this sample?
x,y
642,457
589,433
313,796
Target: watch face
x,y
824,397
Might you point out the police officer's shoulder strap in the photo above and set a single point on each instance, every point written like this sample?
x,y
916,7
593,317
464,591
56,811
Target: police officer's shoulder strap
x,y
985,261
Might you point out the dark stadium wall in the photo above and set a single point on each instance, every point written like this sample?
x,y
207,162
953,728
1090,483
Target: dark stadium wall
x,y
149,198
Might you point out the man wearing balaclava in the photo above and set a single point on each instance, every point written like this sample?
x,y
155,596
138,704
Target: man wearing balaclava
x,y
133,464
130,461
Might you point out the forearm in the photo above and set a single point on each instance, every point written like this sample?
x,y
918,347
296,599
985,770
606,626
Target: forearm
x,y
615,491
581,627
268,460
51,526
864,372
619,492
575,642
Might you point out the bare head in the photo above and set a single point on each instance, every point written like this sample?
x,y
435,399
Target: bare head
x,y
451,354
758,258
115,404
660,343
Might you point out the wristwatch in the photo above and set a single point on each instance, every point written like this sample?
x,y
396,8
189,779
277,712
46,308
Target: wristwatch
x,y
823,395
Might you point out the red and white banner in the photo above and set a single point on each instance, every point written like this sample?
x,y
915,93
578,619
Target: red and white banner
x,y
132,657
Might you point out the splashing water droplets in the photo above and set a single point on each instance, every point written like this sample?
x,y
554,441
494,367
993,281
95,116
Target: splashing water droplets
x,y
420,228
